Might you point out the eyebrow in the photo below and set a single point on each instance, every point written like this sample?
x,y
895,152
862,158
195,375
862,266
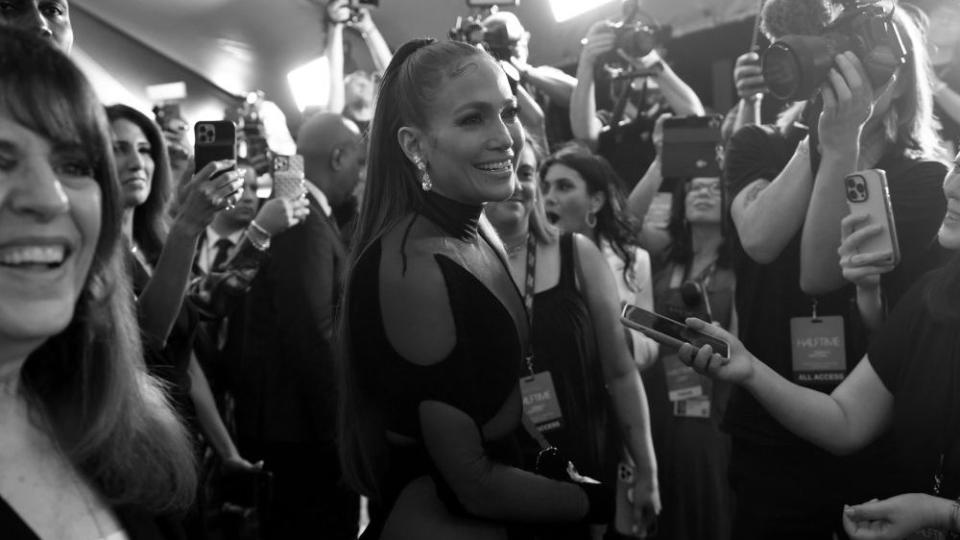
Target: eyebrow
x,y
484,105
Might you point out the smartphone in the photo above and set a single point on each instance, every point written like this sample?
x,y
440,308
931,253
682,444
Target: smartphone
x,y
867,193
668,331
288,179
691,146
623,512
214,141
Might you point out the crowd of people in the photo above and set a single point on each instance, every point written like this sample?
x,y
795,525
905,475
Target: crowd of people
x,y
424,339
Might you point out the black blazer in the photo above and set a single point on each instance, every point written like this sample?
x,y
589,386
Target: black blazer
x,y
287,365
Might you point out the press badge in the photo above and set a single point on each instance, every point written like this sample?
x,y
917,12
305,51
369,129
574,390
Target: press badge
x,y
695,407
540,402
819,351
682,381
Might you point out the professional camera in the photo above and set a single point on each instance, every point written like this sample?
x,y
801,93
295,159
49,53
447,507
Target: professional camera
x,y
635,36
500,40
351,11
796,65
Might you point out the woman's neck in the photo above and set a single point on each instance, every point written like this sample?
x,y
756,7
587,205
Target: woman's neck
x,y
128,224
10,378
515,236
459,220
705,241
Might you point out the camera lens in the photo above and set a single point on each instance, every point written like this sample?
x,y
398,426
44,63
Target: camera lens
x,y
794,66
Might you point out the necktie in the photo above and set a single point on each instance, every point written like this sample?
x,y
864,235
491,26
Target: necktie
x,y
222,252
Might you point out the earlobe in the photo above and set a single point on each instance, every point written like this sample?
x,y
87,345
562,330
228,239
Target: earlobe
x,y
597,201
335,159
410,143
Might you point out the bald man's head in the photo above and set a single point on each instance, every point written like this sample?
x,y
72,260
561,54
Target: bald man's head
x,y
333,154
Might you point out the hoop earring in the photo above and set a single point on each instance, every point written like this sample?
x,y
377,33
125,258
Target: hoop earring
x,y
591,219
425,182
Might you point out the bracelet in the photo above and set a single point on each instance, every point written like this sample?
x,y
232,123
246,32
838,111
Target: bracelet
x,y
259,245
253,231
256,226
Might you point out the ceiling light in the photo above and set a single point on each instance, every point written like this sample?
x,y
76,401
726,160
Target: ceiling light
x,y
567,9
310,84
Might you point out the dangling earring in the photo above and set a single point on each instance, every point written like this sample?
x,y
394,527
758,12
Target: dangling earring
x,y
425,181
591,219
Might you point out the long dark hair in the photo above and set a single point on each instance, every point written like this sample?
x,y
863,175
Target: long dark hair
x,y
150,219
680,250
614,224
87,385
409,85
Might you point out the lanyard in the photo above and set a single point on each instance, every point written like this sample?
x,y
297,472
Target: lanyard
x,y
529,290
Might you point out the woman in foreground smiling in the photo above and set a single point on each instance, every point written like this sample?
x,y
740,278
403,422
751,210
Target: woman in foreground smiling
x,y
89,447
434,329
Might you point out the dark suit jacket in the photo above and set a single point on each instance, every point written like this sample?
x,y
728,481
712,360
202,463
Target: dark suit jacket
x,y
287,360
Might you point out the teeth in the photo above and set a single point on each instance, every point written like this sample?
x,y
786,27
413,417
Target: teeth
x,y
494,166
23,255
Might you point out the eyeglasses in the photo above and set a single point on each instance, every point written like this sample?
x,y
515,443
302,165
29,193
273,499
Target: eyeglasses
x,y
712,188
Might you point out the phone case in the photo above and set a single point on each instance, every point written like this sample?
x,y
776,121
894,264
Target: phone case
x,y
214,141
691,147
623,512
867,193
719,346
288,177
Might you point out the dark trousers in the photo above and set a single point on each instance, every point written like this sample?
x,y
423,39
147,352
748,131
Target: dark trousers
x,y
309,498
784,493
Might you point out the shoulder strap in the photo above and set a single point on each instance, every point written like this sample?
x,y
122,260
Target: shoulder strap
x,y
567,261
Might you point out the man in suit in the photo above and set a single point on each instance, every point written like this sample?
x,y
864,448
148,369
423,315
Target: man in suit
x,y
287,413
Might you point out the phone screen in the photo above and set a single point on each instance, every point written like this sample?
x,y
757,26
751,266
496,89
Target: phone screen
x,y
658,327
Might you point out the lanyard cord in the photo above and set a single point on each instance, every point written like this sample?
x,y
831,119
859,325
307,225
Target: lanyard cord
x,y
529,291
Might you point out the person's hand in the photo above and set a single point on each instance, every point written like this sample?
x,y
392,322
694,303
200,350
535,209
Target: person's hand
x,y
892,518
361,21
338,11
737,368
657,135
748,76
645,498
848,101
599,40
209,191
280,213
235,463
862,269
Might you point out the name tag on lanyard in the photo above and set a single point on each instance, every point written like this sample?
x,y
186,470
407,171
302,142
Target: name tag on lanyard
x,y
819,350
540,402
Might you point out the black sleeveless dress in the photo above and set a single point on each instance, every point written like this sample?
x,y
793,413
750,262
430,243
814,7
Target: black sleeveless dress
x,y
477,377
565,344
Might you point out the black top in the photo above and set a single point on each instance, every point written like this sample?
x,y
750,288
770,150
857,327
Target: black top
x,y
136,523
477,376
918,360
565,344
769,295
170,361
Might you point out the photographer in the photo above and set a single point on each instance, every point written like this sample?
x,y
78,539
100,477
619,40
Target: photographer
x,y
782,206
550,87
353,95
587,126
